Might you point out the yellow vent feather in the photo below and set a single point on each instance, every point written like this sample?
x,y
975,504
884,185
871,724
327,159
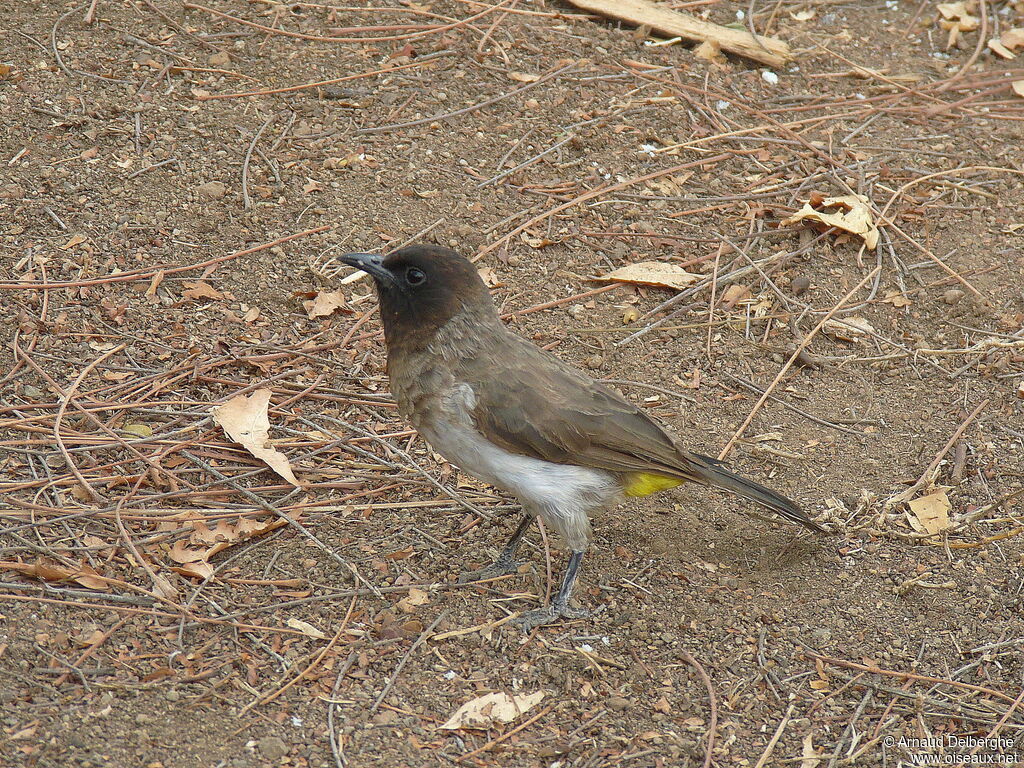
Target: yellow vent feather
x,y
646,483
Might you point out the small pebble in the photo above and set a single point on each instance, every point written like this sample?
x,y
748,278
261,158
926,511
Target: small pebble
x,y
952,296
219,59
618,703
799,285
272,747
211,190
770,77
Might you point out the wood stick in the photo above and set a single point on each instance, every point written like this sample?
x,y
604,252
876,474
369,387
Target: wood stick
x,y
767,50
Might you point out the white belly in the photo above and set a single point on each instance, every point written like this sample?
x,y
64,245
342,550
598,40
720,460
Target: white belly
x,y
563,495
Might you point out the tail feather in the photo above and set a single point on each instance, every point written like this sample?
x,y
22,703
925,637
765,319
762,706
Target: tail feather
x,y
712,472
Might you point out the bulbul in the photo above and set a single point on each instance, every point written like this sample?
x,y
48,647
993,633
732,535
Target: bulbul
x,y
520,418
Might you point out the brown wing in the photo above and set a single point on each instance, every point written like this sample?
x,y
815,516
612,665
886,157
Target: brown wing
x,y
531,403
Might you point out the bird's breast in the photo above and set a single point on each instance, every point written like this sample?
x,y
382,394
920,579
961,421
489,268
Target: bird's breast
x,y
537,483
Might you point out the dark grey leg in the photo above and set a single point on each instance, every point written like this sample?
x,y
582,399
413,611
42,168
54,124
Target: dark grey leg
x,y
559,607
506,562
561,601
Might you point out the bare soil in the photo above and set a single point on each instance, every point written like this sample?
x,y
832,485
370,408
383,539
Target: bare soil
x,y
180,225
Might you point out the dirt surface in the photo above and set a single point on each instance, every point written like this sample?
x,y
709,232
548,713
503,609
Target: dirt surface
x,y
169,601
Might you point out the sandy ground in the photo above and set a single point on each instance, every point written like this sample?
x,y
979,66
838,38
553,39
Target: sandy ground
x,y
181,184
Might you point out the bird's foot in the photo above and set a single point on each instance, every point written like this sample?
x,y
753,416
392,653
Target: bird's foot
x,y
503,566
549,615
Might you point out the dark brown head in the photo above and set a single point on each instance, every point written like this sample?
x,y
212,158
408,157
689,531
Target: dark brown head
x,y
421,287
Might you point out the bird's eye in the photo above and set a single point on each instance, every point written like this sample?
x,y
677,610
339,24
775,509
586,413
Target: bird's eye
x,y
415,276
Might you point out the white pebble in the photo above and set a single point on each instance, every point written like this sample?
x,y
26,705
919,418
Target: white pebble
x,y
770,77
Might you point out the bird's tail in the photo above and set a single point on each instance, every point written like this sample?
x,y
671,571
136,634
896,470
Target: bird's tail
x,y
712,472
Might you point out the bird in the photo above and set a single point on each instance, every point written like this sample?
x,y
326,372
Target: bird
x,y
519,418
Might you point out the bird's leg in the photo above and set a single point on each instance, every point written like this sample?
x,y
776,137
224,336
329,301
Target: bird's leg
x,y
506,562
559,607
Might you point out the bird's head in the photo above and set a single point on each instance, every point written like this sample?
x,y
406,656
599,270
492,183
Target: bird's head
x,y
421,287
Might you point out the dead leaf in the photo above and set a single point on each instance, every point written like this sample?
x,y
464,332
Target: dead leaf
x,y
958,12
709,50
733,294
536,242
897,299
855,217
490,277
996,45
306,628
1013,38
849,328
206,542
139,430
48,571
1018,87
201,290
415,597
154,284
810,757
804,15
653,273
75,240
956,18
326,303
485,711
523,77
244,419
931,512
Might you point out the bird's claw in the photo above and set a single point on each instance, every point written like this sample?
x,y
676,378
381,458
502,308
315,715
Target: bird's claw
x,y
549,615
500,567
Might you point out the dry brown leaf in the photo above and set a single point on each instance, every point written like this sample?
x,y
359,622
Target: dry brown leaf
x,y
201,290
244,419
75,240
154,284
958,12
523,77
1013,38
415,597
306,628
652,273
897,299
200,570
956,18
536,242
47,571
810,757
206,542
709,51
733,294
854,217
485,711
180,553
849,328
996,45
931,512
489,276
326,303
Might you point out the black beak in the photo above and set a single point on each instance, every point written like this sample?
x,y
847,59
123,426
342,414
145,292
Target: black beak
x,y
371,263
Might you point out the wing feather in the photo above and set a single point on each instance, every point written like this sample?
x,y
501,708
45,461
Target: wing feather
x,y
533,404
